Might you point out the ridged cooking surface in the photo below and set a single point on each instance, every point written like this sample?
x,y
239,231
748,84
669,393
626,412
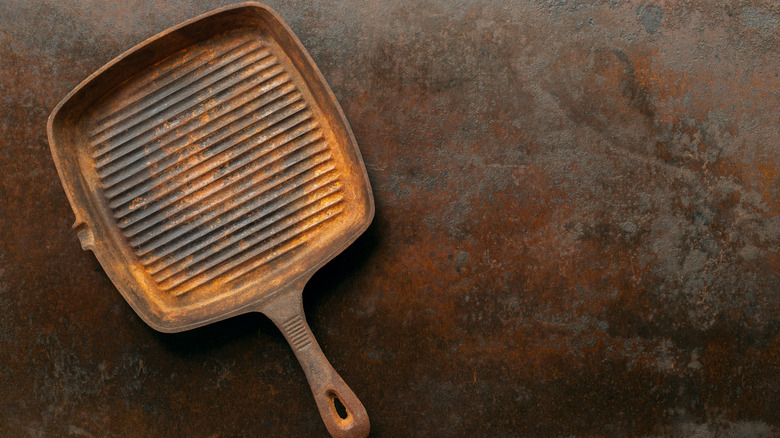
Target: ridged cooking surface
x,y
215,166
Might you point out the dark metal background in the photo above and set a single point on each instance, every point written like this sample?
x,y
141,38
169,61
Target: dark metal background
x,y
577,230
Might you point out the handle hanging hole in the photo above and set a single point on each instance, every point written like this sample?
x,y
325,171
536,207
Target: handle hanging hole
x,y
338,407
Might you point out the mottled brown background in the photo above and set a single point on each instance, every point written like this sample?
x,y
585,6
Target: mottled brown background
x,y
577,230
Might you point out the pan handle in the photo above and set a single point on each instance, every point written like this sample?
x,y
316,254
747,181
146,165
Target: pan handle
x,y
341,411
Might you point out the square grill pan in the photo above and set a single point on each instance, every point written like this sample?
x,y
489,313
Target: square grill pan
x,y
212,171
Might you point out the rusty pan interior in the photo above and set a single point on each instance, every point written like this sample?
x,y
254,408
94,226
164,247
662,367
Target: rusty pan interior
x,y
211,171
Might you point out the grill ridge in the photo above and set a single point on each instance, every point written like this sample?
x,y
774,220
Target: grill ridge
x,y
231,154
222,239
131,182
281,236
132,214
217,170
193,236
179,117
145,226
166,85
248,182
215,228
165,241
241,113
238,76
173,69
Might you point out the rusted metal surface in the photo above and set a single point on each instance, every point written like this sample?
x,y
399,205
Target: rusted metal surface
x,y
576,230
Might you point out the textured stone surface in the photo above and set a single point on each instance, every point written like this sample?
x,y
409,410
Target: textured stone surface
x,y
577,229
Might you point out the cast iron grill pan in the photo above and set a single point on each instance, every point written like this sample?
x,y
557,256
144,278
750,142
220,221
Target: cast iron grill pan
x,y
212,172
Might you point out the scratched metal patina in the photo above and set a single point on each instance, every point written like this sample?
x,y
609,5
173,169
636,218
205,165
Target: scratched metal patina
x,y
576,234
